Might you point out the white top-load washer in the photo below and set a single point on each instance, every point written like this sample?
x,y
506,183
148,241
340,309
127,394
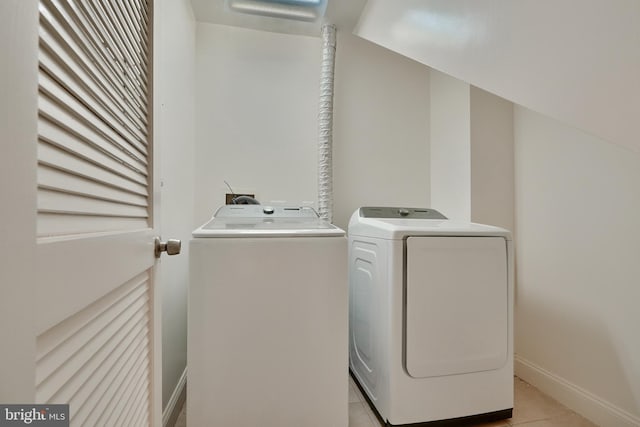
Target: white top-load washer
x,y
267,332
430,316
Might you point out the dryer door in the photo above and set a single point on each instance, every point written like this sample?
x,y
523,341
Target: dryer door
x,y
456,313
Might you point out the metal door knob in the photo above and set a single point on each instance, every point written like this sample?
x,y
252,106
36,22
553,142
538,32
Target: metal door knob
x,y
171,247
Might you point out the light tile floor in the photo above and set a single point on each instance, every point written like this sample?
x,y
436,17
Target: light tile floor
x,y
531,409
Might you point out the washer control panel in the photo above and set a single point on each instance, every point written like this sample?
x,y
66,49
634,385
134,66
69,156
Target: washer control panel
x,y
398,212
262,211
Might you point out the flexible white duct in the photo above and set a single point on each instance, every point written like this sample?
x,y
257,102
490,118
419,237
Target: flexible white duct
x,y
325,124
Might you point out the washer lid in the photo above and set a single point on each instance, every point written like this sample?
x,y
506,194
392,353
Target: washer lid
x,y
265,221
425,223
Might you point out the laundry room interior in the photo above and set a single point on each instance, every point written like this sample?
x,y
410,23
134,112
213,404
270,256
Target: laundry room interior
x,y
521,116
406,134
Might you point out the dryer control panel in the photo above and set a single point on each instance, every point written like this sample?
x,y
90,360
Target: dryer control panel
x,y
394,212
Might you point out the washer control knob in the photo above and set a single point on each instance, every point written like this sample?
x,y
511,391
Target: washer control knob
x,y
268,210
403,212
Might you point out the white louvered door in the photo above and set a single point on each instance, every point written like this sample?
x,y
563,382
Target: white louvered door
x,y
97,344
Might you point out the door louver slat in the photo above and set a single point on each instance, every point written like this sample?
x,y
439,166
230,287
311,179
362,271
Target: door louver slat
x,y
57,105
84,165
57,180
97,360
63,202
59,110
120,54
64,147
94,86
92,94
99,65
65,224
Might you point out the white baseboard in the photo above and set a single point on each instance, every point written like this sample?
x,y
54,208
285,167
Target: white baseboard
x,y
169,411
585,403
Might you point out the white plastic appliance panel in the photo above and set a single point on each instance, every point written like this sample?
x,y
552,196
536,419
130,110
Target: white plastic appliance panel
x,y
267,332
456,305
365,307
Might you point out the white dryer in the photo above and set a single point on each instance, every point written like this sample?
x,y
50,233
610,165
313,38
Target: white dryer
x,y
267,332
430,316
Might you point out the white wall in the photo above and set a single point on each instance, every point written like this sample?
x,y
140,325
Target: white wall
x,y
381,129
492,159
450,146
256,109
175,136
471,153
578,252
257,104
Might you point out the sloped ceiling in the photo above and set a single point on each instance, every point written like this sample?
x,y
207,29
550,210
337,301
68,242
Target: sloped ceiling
x,y
574,60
